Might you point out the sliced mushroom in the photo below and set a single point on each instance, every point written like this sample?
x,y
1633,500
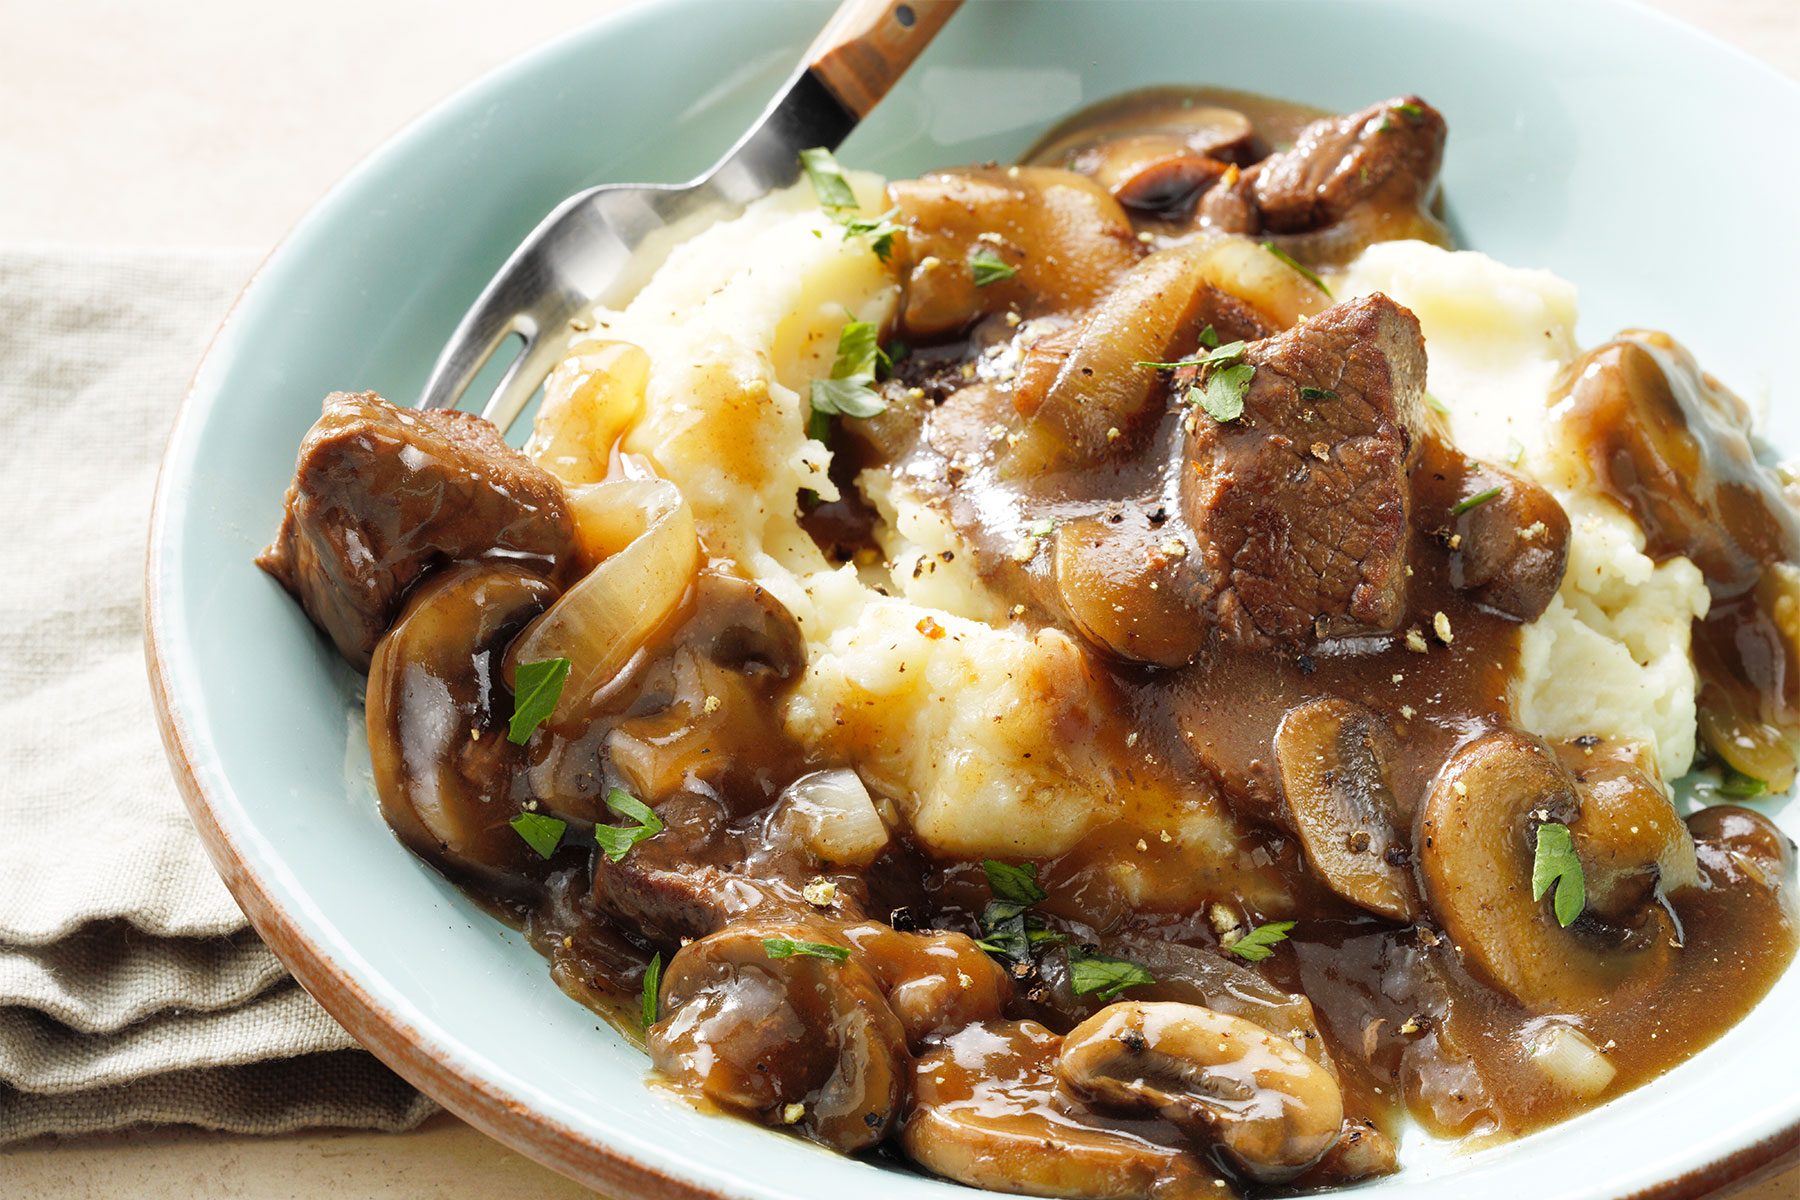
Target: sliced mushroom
x,y
1212,980
1742,840
937,982
437,718
799,1041
740,625
1631,841
1128,587
1673,446
1226,1082
988,1111
1477,837
1509,546
1332,757
1362,1151
1062,236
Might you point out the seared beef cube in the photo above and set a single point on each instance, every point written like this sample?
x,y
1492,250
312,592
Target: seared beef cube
x,y
381,495
1301,505
1389,153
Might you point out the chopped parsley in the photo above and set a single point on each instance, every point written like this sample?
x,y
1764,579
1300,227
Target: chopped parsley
x,y
1313,393
1209,337
788,948
1739,786
1515,450
1436,405
1476,501
989,267
827,178
850,392
1260,942
618,840
879,230
1222,396
1410,111
541,833
838,200
1230,352
652,984
1018,884
536,689
1007,929
1041,528
1554,864
1097,974
1292,263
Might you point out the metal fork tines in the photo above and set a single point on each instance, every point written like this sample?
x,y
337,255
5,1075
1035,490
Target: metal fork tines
x,y
599,245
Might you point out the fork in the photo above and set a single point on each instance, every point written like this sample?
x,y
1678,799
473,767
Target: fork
x,y
593,245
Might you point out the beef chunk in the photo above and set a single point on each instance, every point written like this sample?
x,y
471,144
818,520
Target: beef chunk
x,y
1386,155
381,495
1301,506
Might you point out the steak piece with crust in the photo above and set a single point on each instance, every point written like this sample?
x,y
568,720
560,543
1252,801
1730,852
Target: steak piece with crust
x,y
381,495
1302,506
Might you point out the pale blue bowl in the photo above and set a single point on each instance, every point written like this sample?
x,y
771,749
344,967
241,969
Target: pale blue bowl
x,y
1586,137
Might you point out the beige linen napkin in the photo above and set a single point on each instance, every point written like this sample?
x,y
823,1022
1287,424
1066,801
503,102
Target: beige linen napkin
x,y
131,989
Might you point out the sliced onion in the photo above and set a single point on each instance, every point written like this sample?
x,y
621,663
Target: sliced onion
x,y
590,399
833,815
641,532
1158,308
1571,1060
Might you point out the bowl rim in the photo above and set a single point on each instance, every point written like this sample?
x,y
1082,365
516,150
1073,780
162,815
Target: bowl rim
x,y
431,1067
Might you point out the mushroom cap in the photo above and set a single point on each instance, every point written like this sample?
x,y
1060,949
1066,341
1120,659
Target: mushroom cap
x,y
1226,1082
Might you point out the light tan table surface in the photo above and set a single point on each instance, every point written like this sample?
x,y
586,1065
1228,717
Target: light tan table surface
x,y
218,123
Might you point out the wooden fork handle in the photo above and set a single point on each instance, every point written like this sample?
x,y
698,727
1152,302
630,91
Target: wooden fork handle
x,y
870,43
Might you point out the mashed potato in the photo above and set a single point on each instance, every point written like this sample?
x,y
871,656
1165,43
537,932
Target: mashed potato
x,y
992,739
1611,655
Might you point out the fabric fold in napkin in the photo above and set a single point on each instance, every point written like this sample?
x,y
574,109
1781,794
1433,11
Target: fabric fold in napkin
x,y
132,990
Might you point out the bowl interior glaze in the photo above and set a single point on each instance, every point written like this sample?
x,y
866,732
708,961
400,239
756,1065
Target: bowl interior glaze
x,y
1586,137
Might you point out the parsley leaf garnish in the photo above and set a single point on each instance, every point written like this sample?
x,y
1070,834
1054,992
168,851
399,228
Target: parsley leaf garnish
x,y
1410,111
828,181
1476,501
1436,405
617,840
989,267
652,984
1260,942
879,230
850,392
838,200
1222,396
536,689
1739,786
1290,261
1554,864
541,833
1209,337
1008,930
1313,393
788,948
1018,884
1104,976
1230,352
